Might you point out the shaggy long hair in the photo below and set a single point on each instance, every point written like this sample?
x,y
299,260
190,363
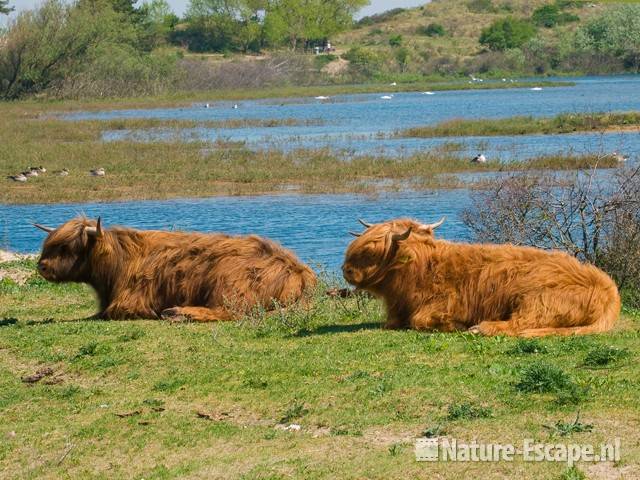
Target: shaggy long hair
x,y
431,284
148,274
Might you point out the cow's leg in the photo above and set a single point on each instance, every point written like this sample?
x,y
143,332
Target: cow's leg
x,y
197,314
122,311
394,324
501,327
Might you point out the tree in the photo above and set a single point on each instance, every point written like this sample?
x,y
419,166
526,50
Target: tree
x,y
507,33
616,33
295,22
224,25
87,42
4,7
157,21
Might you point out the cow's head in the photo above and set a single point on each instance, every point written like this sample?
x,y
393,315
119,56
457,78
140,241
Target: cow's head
x,y
66,252
378,250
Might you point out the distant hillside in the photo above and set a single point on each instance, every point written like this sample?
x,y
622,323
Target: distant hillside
x,y
443,37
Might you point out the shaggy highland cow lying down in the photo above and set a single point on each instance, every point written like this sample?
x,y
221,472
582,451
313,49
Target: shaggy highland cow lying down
x,y
151,274
430,284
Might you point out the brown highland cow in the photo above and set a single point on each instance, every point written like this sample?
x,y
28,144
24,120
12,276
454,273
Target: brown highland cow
x,y
151,274
431,284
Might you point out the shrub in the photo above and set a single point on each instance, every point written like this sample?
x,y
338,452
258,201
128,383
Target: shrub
x,y
541,377
467,411
603,355
83,43
363,61
432,30
526,346
594,219
402,56
506,33
549,16
480,6
615,33
395,40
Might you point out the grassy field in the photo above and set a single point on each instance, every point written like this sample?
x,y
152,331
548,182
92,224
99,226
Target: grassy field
x,y
462,21
526,125
31,135
153,400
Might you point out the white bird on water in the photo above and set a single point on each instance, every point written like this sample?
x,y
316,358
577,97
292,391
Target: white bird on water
x,y
235,106
536,89
98,172
428,93
322,97
479,159
386,97
206,105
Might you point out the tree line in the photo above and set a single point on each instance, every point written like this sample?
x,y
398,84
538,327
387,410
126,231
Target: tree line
x,y
107,47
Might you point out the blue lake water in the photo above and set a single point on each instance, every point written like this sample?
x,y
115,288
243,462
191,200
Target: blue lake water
x,y
314,226
364,123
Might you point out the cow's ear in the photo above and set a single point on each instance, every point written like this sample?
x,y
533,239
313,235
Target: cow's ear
x,y
95,231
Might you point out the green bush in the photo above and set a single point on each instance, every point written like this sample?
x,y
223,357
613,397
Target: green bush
x,y
541,377
549,16
395,40
615,33
467,411
363,61
506,33
87,45
432,30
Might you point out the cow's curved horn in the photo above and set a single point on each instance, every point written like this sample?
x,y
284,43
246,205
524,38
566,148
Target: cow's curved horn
x,y
367,225
433,226
397,237
43,228
95,231
355,234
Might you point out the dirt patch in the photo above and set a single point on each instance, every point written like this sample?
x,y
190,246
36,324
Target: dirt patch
x,y
608,471
6,256
385,438
15,275
233,415
337,67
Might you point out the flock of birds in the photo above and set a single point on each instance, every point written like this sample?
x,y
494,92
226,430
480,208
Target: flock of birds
x,y
23,177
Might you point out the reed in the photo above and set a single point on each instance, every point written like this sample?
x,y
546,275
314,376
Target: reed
x,y
527,125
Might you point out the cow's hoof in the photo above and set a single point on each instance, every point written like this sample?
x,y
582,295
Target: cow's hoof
x,y
174,315
475,330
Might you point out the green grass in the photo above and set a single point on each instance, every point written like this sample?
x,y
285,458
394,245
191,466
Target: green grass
x,y
133,399
527,125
